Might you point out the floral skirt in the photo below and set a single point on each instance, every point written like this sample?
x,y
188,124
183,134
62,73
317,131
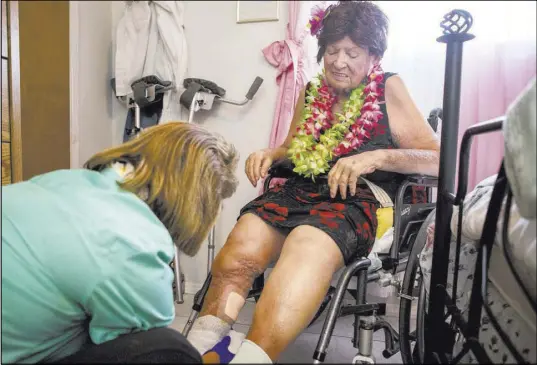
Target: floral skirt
x,y
351,223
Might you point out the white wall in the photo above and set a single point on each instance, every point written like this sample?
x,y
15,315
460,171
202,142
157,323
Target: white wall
x,y
230,54
90,72
119,111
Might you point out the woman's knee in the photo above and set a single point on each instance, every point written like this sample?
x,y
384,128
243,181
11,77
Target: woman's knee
x,y
314,246
249,249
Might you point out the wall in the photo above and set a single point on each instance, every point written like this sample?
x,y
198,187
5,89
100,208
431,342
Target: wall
x,y
229,54
90,71
119,112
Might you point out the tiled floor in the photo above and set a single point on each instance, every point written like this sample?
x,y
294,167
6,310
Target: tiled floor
x,y
301,351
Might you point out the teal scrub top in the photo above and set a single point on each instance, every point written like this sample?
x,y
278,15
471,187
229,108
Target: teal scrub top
x,y
82,261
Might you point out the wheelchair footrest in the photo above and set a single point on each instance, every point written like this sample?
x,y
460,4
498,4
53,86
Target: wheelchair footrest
x,y
364,309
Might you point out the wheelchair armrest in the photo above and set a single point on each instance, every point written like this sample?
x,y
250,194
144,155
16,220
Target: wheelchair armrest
x,y
284,169
423,180
281,169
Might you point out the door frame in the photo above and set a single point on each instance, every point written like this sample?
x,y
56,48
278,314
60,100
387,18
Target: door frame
x,y
74,103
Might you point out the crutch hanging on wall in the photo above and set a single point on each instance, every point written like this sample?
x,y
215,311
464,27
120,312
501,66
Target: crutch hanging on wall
x,y
201,94
145,92
145,33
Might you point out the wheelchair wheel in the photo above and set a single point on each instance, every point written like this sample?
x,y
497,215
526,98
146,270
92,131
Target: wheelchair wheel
x,y
412,279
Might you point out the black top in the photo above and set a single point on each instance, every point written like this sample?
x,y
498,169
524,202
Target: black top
x,y
381,138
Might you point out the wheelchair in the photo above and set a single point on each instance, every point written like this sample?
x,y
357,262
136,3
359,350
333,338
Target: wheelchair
x,y
408,218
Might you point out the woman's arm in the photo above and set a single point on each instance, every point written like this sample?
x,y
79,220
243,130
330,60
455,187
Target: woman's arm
x,y
419,148
418,152
259,162
281,151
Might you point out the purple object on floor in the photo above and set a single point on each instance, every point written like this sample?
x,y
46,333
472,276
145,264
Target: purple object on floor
x,y
222,349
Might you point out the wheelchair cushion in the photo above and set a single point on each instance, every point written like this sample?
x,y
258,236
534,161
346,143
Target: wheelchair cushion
x,y
206,86
384,220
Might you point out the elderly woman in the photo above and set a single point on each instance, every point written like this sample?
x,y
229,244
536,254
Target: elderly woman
x,y
86,252
353,120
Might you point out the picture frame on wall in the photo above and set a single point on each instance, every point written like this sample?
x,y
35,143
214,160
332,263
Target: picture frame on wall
x,y
257,11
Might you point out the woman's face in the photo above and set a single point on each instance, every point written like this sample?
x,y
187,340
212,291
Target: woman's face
x,y
346,64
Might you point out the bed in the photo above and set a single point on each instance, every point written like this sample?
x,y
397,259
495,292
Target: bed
x,y
514,311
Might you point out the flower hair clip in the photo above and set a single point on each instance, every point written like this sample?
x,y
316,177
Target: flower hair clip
x,y
315,23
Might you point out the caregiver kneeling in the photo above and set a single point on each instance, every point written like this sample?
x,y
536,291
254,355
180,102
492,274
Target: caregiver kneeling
x,y
86,252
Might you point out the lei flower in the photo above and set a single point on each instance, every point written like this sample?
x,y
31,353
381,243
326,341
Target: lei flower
x,y
322,135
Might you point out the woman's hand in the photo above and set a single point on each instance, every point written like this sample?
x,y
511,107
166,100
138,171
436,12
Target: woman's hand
x,y
347,170
258,164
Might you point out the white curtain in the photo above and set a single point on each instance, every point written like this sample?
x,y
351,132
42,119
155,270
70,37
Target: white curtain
x,y
503,29
497,65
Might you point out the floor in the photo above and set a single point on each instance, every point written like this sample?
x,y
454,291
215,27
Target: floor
x,y
301,351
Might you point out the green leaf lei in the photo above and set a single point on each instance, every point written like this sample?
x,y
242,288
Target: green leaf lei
x,y
310,150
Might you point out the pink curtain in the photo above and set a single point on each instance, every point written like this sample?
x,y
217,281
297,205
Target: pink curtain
x,y
288,57
492,77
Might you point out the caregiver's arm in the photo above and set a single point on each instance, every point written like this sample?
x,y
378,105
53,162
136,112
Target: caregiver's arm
x,y
419,148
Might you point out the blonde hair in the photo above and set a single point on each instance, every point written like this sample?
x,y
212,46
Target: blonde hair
x,y
187,172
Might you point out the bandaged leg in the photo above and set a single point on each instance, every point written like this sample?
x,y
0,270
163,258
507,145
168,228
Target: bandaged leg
x,y
208,330
249,249
250,353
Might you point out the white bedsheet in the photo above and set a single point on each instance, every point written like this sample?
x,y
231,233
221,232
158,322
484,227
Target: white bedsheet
x,y
505,297
519,131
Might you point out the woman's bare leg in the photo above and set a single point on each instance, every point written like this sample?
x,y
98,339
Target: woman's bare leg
x,y
249,249
295,289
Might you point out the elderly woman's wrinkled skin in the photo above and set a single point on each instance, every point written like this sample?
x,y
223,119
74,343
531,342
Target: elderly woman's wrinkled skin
x,y
346,64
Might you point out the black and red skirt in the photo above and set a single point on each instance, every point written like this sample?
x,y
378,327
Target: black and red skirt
x,y
351,223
